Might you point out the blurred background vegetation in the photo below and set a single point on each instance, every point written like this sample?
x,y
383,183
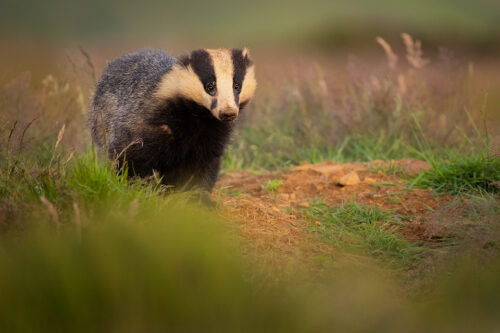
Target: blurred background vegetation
x,y
83,249
324,23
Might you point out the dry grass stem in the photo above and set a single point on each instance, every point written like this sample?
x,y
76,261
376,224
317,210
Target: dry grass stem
x,y
392,58
414,53
51,209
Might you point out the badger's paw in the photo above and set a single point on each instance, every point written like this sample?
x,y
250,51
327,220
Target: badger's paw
x,y
206,201
203,198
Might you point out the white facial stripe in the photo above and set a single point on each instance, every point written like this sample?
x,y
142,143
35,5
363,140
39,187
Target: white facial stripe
x,y
183,82
249,85
223,66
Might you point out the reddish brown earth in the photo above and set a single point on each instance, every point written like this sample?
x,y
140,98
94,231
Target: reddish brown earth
x,y
273,223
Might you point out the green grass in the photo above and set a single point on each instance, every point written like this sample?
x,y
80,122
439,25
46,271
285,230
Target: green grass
x,y
87,182
272,185
363,228
462,173
235,192
390,169
251,149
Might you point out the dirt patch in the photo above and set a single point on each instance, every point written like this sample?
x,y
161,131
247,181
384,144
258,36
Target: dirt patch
x,y
272,221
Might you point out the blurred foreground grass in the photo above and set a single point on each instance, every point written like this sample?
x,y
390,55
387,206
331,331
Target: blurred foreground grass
x,y
84,249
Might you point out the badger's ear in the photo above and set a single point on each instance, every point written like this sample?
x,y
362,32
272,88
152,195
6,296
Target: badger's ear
x,y
246,57
185,60
245,52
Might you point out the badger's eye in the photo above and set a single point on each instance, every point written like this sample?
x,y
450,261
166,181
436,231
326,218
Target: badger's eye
x,y
210,87
236,87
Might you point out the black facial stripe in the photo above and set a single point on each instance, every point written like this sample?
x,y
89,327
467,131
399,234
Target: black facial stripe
x,y
184,60
214,104
240,64
202,64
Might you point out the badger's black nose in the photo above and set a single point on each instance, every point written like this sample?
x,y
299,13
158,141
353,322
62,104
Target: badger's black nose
x,y
228,115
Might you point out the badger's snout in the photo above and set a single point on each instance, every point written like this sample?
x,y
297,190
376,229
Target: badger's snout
x,y
228,115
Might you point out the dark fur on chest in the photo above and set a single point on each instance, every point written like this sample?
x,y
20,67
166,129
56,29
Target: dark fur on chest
x,y
183,142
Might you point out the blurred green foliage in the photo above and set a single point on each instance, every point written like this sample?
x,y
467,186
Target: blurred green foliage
x,y
325,23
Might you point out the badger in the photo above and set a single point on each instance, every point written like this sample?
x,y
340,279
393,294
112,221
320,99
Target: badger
x,y
174,116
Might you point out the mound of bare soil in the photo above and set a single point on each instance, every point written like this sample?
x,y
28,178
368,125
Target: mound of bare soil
x,y
272,221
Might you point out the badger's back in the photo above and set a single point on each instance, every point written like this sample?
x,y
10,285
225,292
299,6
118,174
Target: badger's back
x,y
122,94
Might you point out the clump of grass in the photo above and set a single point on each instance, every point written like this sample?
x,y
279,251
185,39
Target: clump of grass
x,y
272,185
235,192
66,185
462,173
361,227
389,169
353,213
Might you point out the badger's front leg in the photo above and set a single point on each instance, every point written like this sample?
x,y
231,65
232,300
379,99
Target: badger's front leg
x,y
204,180
209,175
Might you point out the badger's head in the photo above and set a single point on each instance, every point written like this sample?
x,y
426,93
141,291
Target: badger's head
x,y
221,80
